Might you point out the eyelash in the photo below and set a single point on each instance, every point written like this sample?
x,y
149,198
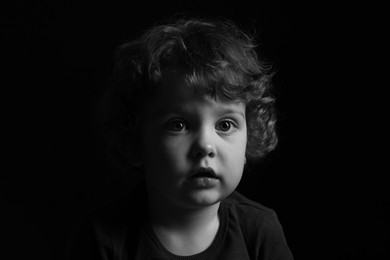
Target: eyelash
x,y
170,125
231,122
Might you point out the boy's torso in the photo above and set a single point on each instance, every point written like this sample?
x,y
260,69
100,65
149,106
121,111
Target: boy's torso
x,y
122,231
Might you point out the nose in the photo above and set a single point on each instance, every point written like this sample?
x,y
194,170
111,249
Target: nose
x,y
204,145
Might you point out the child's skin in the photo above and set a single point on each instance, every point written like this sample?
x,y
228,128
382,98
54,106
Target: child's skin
x,y
183,132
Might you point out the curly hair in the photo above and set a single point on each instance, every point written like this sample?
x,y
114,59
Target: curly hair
x,y
218,60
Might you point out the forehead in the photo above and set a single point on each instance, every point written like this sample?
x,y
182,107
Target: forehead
x,y
174,86
175,93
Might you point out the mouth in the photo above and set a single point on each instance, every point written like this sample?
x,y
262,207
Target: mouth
x,y
204,178
205,173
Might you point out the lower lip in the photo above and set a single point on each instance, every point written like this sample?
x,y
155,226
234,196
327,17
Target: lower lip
x,y
203,182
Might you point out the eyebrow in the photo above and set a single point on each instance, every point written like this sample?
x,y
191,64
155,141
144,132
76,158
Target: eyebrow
x,y
179,110
232,111
162,112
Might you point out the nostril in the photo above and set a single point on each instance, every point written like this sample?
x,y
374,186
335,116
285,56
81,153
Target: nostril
x,y
205,151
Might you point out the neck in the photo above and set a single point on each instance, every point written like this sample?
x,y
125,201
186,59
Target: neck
x,y
175,217
183,231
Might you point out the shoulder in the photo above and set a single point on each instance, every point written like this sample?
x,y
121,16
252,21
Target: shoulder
x,y
258,226
108,230
254,221
112,222
99,233
248,210
126,209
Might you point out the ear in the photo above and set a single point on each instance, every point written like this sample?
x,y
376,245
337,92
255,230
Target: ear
x,y
126,149
133,148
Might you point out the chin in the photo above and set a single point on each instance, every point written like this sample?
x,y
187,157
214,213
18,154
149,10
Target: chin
x,y
206,198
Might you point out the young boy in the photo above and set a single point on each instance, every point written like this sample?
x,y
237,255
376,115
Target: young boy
x,y
189,104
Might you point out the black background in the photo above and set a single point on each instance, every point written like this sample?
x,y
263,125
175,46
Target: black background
x,y
324,180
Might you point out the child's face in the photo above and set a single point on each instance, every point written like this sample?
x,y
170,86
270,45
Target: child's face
x,y
184,133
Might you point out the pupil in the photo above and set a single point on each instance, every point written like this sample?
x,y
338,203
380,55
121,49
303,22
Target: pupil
x,y
178,125
225,125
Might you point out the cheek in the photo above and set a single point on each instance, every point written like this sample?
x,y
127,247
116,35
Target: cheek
x,y
238,153
166,151
172,145
175,151
233,157
240,144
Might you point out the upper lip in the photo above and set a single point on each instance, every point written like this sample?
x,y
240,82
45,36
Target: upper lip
x,y
204,172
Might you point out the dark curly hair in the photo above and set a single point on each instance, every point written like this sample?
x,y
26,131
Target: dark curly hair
x,y
218,60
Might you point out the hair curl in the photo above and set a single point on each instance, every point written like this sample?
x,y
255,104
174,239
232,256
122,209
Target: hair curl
x,y
219,60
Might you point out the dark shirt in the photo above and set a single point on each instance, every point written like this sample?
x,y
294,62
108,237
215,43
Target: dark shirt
x,y
247,230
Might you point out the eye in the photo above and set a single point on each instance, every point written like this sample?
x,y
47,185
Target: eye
x,y
176,125
226,125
